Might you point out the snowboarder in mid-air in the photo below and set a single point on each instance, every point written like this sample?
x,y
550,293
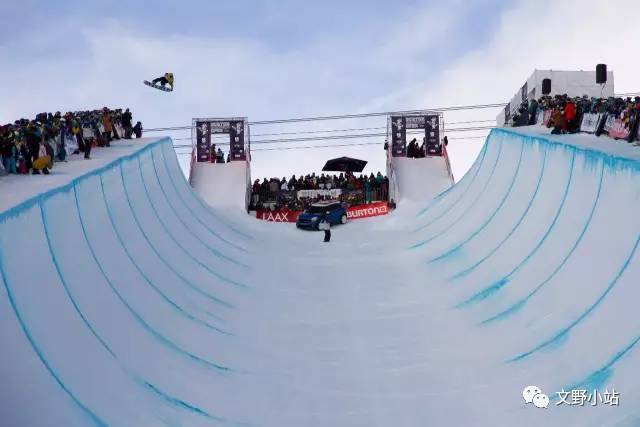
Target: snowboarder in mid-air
x,y
161,82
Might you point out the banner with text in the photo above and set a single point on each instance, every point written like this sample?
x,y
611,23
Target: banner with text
x,y
368,210
432,135
608,124
353,212
278,216
236,140
312,194
430,123
203,141
234,127
398,136
590,122
619,130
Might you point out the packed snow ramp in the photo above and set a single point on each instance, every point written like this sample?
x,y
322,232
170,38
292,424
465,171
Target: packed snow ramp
x,y
128,301
222,184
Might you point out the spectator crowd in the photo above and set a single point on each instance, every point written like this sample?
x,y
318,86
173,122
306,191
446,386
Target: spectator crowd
x,y
33,146
293,194
217,156
418,151
565,114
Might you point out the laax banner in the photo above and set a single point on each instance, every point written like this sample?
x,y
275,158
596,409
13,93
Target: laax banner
x,y
278,216
354,212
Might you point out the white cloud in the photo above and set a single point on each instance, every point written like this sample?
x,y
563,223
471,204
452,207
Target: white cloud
x,y
543,34
372,70
225,77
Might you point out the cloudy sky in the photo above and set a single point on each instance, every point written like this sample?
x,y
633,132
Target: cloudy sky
x,y
283,59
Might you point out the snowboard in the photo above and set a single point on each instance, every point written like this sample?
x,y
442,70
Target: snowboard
x,y
165,89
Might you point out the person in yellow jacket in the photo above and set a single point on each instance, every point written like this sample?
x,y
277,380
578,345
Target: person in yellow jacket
x,y
107,123
166,79
43,162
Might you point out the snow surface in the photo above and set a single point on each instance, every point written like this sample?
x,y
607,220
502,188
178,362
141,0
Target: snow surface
x,y
17,188
222,184
420,180
127,300
604,144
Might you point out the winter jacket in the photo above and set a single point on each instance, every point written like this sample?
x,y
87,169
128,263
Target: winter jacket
x,y
137,129
570,111
557,119
126,119
107,123
33,142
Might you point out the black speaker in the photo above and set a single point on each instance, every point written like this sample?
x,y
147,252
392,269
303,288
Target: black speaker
x,y
601,74
546,86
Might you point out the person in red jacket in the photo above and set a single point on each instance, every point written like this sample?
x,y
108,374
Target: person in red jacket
x,y
570,116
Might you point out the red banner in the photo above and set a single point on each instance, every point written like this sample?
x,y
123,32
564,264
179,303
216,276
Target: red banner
x,y
366,211
354,212
278,216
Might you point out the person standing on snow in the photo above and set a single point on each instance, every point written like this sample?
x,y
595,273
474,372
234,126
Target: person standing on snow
x,y
126,124
533,111
569,116
213,157
137,130
107,123
324,225
43,161
557,121
33,145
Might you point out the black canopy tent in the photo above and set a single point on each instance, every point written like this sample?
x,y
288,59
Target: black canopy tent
x,y
344,164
